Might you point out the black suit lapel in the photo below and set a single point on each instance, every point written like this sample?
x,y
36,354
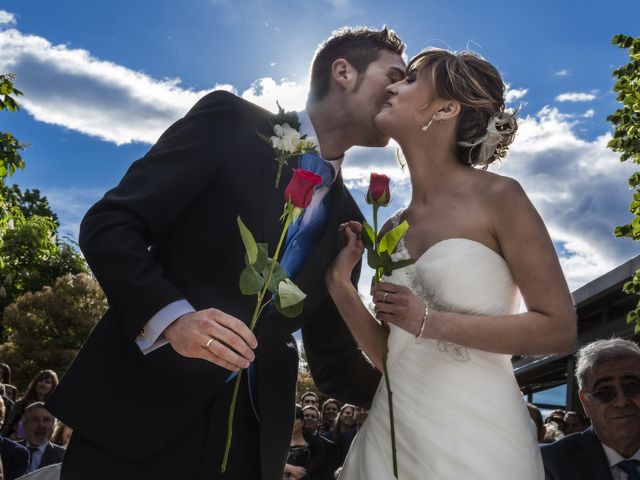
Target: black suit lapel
x,y
591,458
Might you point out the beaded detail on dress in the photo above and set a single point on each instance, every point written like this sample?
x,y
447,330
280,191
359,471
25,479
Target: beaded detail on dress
x,y
455,351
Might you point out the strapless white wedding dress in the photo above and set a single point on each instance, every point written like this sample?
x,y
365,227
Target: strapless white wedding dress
x,y
458,411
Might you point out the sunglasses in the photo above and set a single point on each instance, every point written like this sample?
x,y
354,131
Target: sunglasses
x,y
609,394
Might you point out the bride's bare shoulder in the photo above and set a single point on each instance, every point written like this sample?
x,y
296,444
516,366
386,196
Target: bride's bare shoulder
x,y
499,188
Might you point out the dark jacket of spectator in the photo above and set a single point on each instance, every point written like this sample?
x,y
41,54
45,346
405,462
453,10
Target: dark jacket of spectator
x,y
578,456
52,454
15,459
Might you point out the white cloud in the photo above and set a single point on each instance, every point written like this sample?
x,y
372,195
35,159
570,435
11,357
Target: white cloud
x,y
7,18
73,89
575,97
562,73
514,94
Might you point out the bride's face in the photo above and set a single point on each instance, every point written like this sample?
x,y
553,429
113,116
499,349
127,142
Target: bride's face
x,y
408,106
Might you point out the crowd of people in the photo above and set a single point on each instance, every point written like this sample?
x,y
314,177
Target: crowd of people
x,y
31,438
322,435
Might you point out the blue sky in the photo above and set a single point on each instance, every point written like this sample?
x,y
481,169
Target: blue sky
x,y
102,80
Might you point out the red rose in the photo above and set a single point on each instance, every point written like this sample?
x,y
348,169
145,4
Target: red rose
x,y
379,193
300,188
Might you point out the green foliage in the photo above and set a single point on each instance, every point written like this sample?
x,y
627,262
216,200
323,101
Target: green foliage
x,y
48,327
30,202
379,254
32,257
626,141
10,147
31,254
261,269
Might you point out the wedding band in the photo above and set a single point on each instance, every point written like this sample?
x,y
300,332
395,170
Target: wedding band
x,y
206,345
384,297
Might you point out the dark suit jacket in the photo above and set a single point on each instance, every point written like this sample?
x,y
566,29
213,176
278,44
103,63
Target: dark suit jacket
x,y
168,231
15,459
52,454
578,456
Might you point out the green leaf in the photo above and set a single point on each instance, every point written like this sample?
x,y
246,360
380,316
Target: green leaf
x,y
290,312
368,236
374,260
251,282
389,240
249,242
402,263
279,275
263,257
289,294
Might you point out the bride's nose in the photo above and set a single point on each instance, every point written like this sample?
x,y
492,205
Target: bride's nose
x,y
392,89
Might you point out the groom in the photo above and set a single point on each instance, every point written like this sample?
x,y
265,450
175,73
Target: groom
x,y
148,395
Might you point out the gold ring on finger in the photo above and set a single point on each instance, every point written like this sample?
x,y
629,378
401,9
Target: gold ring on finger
x,y
206,345
384,297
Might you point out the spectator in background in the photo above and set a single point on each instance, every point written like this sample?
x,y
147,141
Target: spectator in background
x,y
309,398
311,419
39,390
345,422
7,380
38,426
331,455
557,417
330,410
8,403
14,457
574,423
306,453
359,416
536,417
608,374
61,434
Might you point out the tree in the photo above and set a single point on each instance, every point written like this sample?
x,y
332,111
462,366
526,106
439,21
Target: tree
x,y
48,327
626,140
10,158
30,202
31,253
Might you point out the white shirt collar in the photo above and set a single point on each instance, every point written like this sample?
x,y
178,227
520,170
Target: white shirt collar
x,y
306,128
614,457
42,447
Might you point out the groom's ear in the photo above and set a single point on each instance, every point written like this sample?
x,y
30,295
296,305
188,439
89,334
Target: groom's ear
x,y
343,73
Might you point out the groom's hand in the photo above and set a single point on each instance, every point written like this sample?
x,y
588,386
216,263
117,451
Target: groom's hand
x,y
213,336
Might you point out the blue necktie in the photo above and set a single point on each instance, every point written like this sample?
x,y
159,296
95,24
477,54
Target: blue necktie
x,y
630,468
299,242
301,239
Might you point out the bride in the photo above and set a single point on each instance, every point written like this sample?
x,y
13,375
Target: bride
x,y
453,315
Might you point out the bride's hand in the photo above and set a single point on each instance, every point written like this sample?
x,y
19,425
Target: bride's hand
x,y
398,305
341,268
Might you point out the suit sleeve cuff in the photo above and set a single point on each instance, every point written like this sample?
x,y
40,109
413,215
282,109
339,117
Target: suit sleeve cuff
x,y
152,335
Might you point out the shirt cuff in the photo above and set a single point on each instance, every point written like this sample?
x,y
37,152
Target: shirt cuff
x,y
152,335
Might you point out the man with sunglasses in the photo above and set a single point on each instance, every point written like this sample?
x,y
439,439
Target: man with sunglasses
x,y
608,374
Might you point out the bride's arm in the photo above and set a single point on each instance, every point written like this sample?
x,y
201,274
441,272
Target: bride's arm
x,y
549,325
366,330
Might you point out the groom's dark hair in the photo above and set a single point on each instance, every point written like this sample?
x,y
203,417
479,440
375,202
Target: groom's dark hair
x,y
357,45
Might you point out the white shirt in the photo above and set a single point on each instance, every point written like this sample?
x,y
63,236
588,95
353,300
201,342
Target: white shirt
x,y
152,336
614,458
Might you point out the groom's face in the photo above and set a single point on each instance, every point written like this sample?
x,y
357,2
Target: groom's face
x,y
367,98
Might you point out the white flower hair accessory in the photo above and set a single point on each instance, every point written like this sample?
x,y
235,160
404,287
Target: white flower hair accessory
x,y
500,130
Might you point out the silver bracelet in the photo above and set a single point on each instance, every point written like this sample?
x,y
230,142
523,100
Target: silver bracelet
x,y
425,317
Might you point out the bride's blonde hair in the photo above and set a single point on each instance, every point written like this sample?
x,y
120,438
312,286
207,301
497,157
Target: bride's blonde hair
x,y
485,129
